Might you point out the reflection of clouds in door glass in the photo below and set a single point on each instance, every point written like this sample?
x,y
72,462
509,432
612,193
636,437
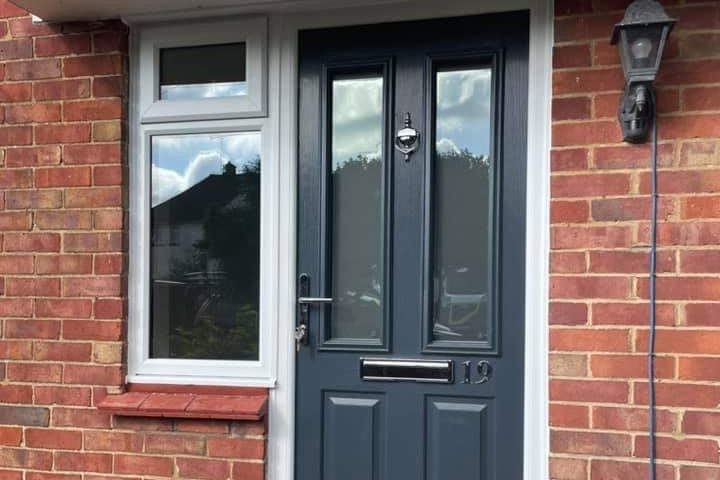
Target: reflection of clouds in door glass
x,y
203,90
462,189
357,106
181,161
445,146
463,111
356,213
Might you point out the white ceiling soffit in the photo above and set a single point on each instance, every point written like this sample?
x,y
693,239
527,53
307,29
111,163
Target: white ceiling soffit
x,y
83,10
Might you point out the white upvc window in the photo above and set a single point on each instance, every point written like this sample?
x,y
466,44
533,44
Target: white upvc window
x,y
203,205
230,81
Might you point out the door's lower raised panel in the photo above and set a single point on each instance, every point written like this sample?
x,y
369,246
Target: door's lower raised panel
x,y
354,434
458,438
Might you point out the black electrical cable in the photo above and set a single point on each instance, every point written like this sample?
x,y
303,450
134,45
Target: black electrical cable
x,y
651,287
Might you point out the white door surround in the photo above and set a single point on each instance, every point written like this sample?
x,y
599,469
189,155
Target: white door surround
x,y
281,434
285,19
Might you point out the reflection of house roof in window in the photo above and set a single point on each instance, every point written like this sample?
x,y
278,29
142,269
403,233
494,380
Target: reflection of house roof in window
x,y
191,205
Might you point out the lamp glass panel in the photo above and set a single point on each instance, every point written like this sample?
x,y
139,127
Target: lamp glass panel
x,y
641,48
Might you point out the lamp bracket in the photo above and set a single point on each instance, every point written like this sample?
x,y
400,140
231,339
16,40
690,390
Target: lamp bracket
x,y
636,112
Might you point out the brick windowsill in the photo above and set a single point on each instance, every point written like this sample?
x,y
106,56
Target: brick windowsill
x,y
180,401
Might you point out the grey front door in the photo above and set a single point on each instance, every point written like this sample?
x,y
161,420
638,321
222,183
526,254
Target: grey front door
x,y
411,250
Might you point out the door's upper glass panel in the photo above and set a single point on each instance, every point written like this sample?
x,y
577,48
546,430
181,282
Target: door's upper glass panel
x,y
356,220
208,71
205,233
462,205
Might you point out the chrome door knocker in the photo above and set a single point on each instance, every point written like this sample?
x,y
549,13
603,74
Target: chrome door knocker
x,y
406,140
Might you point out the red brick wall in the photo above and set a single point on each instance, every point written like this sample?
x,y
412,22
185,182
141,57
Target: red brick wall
x,y
599,258
62,272
62,267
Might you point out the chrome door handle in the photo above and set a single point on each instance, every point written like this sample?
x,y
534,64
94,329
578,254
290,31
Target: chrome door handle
x,y
302,328
313,300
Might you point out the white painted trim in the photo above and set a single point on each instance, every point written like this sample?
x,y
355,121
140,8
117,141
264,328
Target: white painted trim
x,y
282,398
279,8
537,240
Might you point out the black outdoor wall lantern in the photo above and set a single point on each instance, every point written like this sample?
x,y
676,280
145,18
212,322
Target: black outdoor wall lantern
x,y
640,38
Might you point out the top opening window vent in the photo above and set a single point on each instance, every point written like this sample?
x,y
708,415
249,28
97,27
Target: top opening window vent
x,y
204,70
208,71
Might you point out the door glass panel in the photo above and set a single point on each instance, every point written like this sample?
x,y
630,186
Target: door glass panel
x,y
356,219
462,205
206,71
205,246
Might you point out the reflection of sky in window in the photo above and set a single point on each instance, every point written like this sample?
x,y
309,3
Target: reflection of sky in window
x,y
463,114
356,118
181,161
463,111
203,90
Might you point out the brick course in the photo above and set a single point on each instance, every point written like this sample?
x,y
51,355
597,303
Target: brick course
x,y
63,94
600,236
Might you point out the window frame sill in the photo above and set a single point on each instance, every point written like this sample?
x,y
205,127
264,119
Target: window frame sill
x,y
188,402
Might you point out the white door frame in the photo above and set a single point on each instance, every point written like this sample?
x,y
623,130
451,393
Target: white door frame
x,y
283,33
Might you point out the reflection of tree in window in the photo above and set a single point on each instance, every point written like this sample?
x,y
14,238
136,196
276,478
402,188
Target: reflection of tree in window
x,y
356,218
462,227
357,248
205,303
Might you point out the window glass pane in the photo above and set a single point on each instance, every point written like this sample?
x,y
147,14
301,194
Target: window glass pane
x,y
356,207
205,230
462,194
203,72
